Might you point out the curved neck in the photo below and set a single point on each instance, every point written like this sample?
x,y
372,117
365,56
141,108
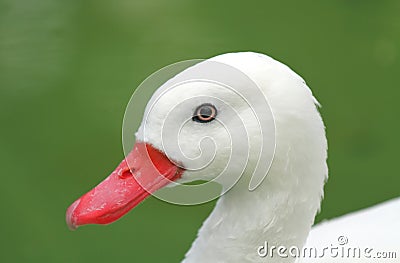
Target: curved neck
x,y
242,221
280,211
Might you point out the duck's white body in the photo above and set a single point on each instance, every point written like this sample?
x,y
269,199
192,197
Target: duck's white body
x,y
370,233
281,210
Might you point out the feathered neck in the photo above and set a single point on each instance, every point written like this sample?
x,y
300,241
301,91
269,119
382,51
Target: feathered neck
x,y
276,212
280,211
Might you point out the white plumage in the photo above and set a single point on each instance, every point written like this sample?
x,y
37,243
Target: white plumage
x,y
281,210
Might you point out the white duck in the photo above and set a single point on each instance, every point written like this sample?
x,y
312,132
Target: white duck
x,y
281,209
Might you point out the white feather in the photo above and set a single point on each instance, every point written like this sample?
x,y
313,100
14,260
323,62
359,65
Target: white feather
x,y
282,210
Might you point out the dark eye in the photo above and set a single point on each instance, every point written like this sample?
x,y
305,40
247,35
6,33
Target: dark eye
x,y
205,113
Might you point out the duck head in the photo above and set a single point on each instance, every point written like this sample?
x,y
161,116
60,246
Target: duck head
x,y
213,122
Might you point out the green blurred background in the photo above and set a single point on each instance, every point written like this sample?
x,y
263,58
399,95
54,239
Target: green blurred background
x,y
68,69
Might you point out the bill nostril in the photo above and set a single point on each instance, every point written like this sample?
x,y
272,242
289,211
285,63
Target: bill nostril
x,y
125,173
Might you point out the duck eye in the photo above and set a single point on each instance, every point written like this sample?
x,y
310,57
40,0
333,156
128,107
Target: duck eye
x,y
205,113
